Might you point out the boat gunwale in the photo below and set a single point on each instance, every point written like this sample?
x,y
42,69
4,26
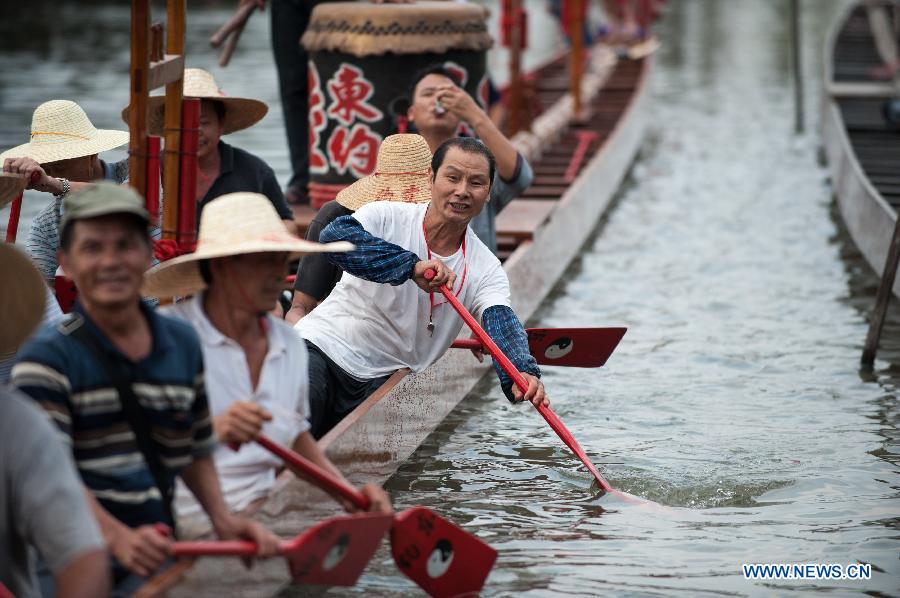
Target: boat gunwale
x,y
859,201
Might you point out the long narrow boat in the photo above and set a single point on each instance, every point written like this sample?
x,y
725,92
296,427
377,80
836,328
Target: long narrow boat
x,y
862,147
578,169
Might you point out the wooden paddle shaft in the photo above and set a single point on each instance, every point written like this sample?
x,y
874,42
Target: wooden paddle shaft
x,y
231,44
319,476
520,381
15,210
222,548
238,19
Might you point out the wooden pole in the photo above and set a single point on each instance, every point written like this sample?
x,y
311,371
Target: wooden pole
x,y
12,228
172,134
576,58
798,68
137,115
187,198
882,299
516,116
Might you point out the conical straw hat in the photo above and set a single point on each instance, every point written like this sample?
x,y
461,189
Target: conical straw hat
x,y
402,173
11,186
240,113
60,130
22,302
233,224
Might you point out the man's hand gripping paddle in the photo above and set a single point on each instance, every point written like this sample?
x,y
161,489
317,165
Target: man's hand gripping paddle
x,y
333,552
440,557
545,411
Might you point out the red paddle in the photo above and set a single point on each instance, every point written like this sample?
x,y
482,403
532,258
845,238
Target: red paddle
x,y
520,381
12,227
333,552
441,558
572,347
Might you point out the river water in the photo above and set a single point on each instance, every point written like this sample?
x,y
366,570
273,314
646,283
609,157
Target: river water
x,y
734,400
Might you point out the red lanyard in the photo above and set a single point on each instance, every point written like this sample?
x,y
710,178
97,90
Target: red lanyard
x,y
462,281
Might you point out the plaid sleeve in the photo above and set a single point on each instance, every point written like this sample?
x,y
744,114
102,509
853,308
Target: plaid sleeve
x,y
373,259
503,326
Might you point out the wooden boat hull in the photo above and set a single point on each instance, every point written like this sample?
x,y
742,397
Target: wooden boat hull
x,y
868,215
371,443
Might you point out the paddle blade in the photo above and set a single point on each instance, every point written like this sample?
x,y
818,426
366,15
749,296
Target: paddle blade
x,y
336,551
574,347
441,558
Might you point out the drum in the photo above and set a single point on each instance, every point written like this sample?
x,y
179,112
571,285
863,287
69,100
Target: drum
x,y
362,59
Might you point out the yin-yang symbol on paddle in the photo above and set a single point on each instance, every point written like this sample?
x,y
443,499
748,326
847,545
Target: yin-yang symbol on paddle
x,y
559,348
439,560
336,553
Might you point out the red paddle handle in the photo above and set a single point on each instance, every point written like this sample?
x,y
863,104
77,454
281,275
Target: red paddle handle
x,y
12,228
320,477
220,548
519,380
466,343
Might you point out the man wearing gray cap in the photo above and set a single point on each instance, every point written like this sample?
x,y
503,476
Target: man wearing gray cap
x,y
125,386
42,503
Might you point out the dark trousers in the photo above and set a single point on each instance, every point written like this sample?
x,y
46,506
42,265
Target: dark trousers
x,y
333,393
124,582
289,20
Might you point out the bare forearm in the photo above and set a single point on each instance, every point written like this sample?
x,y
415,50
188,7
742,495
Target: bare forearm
x,y
202,480
307,446
504,152
85,577
109,525
301,305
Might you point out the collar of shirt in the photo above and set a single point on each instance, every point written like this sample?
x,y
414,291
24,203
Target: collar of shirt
x,y
211,336
226,158
161,341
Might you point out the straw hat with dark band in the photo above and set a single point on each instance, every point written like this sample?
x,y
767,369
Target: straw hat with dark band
x,y
240,113
402,173
233,224
11,186
21,302
60,130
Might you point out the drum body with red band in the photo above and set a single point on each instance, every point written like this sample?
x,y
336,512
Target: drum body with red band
x,y
362,59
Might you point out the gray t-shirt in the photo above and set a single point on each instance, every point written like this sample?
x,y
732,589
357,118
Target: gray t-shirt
x,y
502,192
42,502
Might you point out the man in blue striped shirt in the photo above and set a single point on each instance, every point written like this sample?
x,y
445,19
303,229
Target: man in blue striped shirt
x,y
112,358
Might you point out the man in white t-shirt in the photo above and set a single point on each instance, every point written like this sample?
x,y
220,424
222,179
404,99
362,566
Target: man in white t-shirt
x,y
256,373
384,315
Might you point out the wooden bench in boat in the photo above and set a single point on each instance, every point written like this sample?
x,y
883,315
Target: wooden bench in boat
x,y
522,217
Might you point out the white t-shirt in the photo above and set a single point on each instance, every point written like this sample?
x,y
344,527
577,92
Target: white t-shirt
x,y
372,329
283,388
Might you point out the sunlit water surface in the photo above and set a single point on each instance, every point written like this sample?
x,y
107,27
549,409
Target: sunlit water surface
x,y
735,397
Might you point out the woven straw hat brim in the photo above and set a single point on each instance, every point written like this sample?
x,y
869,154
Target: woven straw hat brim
x,y
22,303
11,185
240,113
407,188
104,140
180,276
